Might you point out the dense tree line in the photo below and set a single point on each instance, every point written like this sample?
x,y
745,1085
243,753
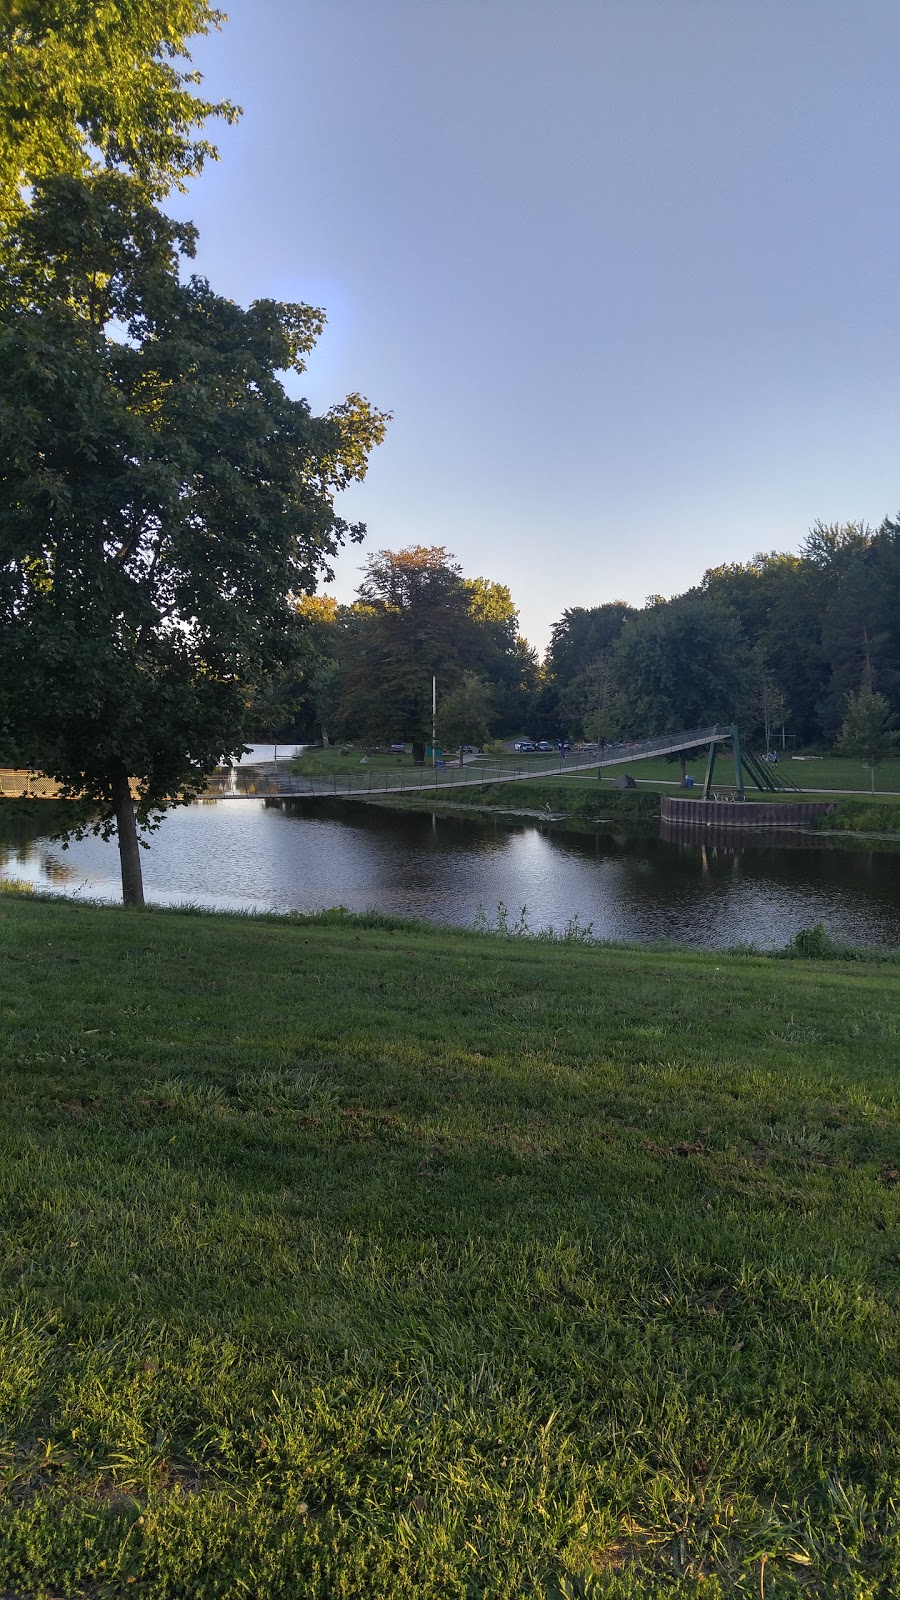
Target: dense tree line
x,y
780,642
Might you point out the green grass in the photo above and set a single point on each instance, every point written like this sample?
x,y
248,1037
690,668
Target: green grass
x,y
586,803
864,815
319,763
831,772
347,1258
330,763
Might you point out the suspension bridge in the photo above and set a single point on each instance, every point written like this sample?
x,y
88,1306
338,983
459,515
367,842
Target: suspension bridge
x,y
270,781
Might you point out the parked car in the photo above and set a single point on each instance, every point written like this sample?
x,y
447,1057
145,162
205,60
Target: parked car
x,y
524,747
398,749
545,747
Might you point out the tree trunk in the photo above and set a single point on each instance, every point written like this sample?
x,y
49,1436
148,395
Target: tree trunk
x,y
872,775
129,849
682,762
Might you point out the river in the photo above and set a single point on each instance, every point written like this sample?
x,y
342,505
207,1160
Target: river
x,y
306,856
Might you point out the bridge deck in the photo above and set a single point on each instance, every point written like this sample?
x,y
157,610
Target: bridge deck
x,y
16,784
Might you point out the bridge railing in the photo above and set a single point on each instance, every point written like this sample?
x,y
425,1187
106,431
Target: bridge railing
x,y
664,744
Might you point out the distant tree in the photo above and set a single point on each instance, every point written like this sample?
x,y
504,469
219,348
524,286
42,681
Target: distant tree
x,y
779,603
867,731
88,85
491,606
410,622
858,576
161,499
464,715
416,618
678,664
327,690
577,642
769,704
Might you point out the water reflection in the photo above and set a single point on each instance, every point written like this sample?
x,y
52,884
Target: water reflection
x,y
308,855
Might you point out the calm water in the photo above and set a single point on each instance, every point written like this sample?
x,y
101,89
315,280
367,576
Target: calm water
x,y
308,856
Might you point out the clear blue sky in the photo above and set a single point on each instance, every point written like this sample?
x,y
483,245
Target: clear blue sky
x,y
624,270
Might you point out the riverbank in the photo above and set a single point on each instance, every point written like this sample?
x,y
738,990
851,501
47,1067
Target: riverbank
x,y
545,799
580,804
349,1257
866,817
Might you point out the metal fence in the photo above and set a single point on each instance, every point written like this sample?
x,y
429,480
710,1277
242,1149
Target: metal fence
x,y
474,774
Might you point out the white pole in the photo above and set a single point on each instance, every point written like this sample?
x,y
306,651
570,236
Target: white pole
x,y
433,720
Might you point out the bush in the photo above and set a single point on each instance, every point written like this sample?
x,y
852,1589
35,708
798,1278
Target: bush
x,y
814,943
862,816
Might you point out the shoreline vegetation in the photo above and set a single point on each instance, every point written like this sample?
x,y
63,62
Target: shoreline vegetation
x,y
346,1256
578,799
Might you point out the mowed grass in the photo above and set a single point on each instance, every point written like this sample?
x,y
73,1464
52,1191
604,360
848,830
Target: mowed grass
x,y
811,775
354,1259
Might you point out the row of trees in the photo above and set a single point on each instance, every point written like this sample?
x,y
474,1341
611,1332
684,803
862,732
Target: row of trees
x,y
369,666
783,641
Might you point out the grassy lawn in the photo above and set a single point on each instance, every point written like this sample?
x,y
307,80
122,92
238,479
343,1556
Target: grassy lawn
x,y
343,1258
319,763
585,803
351,773
330,763
831,772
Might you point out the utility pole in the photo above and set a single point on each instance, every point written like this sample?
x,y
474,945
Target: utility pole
x,y
433,720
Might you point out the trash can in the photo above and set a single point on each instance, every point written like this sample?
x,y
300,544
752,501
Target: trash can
x,y
689,782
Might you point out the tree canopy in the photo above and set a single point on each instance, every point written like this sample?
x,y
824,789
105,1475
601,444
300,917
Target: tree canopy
x,y
418,617
86,85
867,732
677,664
464,716
161,500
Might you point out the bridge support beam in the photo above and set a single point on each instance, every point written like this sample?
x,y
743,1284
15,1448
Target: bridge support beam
x,y
738,766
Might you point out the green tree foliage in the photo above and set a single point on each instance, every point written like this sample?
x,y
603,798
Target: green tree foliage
x,y
84,84
465,714
418,617
858,575
678,664
823,622
577,644
161,499
767,702
327,692
867,732
411,622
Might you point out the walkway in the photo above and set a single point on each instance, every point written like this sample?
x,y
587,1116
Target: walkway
x,y
429,779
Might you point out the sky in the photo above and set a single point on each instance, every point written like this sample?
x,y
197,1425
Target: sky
x,y
624,271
